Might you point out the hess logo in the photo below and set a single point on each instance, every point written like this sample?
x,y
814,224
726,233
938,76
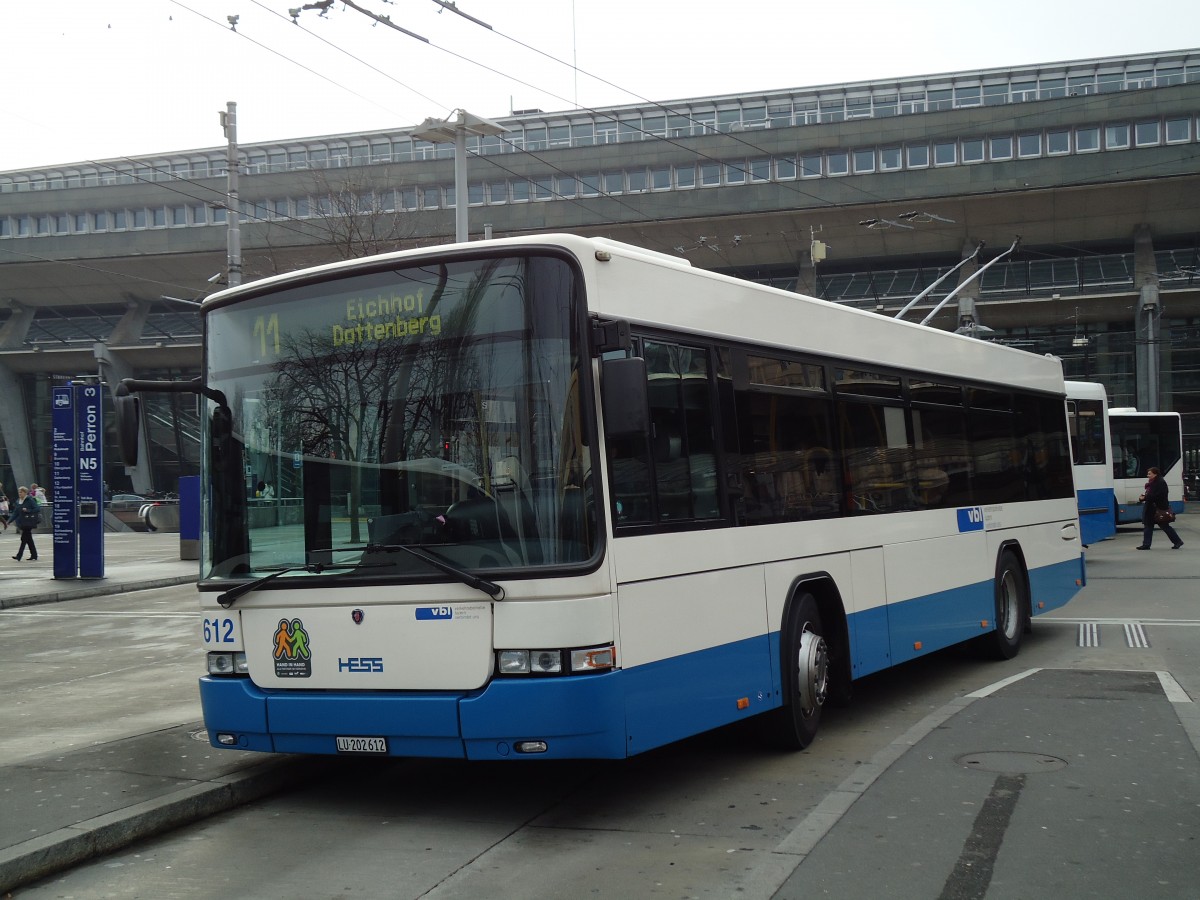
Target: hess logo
x,y
368,664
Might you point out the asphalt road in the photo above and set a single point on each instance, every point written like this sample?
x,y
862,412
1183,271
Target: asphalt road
x,y
1071,771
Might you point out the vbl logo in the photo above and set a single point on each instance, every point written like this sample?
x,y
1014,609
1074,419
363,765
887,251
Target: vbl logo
x,y
62,401
360,664
970,519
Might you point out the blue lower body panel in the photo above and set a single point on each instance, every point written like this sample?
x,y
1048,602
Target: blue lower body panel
x,y
607,716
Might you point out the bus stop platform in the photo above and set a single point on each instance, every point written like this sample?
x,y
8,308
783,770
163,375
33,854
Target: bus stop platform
x,y
133,561
64,808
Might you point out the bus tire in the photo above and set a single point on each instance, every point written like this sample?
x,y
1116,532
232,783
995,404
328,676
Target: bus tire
x,y
1012,608
804,658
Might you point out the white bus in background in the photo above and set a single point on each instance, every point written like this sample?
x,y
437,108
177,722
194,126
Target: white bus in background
x,y
1091,459
562,497
1141,440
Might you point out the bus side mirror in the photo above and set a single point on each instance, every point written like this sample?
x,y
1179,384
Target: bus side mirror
x,y
623,396
126,412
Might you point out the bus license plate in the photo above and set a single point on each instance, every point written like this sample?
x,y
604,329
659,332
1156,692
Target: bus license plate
x,y
362,745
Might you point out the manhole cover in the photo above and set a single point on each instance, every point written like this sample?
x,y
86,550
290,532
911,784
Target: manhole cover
x,y
1011,762
201,735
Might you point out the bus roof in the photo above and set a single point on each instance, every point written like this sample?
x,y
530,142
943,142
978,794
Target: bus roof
x,y
659,290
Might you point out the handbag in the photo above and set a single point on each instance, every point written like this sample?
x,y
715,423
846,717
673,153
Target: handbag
x,y
1163,517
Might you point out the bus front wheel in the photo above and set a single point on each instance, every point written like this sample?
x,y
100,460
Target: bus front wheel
x,y
805,671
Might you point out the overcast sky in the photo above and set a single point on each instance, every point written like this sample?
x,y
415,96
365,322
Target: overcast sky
x,y
87,79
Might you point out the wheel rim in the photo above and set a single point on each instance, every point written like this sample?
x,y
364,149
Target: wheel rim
x,y
813,680
1008,605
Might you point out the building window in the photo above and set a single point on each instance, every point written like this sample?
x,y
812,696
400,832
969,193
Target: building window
x,y
566,186
62,223
810,166
178,215
80,222
837,162
637,180
1000,148
685,177
1116,137
735,173
139,218
785,168
972,150
1146,134
589,186
158,217
760,169
543,188
890,159
520,191
660,179
1178,130
1029,145
497,192
1058,142
945,153
118,219
967,96
614,182
710,174
864,161
918,155
100,221
1087,140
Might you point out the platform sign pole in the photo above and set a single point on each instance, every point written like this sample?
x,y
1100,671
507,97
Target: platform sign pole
x,y
89,481
62,482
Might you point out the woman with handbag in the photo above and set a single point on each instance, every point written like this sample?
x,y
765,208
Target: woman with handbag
x,y
1156,510
27,516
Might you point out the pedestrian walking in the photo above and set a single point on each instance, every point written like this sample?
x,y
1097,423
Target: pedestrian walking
x,y
4,509
28,518
1156,510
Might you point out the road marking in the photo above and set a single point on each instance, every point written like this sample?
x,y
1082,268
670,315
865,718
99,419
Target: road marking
x,y
1172,688
1089,635
1135,635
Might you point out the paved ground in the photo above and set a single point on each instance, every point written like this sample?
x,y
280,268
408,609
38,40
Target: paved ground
x,y
90,801
86,802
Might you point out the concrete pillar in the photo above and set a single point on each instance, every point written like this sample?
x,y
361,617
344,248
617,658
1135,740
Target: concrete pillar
x,y
132,324
112,369
14,331
1147,347
14,425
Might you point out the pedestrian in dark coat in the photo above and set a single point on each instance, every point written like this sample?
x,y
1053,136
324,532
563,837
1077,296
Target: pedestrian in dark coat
x,y
1154,499
26,515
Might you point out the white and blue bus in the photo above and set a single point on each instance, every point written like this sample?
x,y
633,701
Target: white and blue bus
x,y
1141,440
558,497
1091,459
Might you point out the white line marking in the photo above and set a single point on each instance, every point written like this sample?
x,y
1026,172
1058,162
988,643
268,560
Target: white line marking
x,y
992,688
1172,688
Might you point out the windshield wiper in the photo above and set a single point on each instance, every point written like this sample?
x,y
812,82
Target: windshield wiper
x,y
228,598
490,588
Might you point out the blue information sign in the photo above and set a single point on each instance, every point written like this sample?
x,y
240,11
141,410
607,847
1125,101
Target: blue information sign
x,y
62,425
89,481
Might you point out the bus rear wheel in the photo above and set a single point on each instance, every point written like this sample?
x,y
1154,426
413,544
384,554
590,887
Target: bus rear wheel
x,y
805,671
1012,608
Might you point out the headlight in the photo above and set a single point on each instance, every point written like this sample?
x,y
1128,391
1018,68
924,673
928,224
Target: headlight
x,y
228,664
554,661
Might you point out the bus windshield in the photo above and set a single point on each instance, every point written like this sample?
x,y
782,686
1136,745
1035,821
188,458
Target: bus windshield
x,y
436,407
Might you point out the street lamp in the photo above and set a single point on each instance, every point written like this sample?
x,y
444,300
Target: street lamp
x,y
454,130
